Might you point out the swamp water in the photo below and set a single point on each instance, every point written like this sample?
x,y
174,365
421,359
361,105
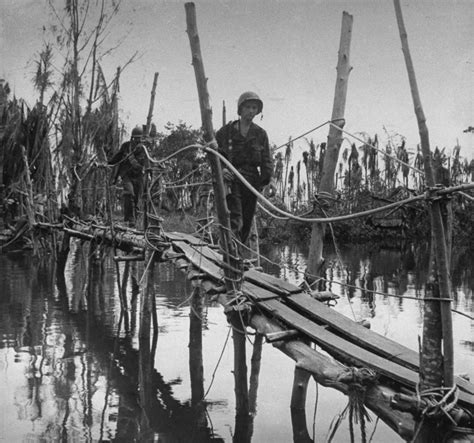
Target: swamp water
x,y
70,368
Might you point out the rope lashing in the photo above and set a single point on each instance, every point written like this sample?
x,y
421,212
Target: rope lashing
x,y
439,402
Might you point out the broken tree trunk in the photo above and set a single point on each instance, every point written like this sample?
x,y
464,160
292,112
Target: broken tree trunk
x,y
326,188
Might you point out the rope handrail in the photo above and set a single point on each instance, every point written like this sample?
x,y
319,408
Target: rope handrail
x,y
304,219
377,149
207,149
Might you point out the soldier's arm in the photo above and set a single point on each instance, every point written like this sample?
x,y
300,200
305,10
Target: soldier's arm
x,y
266,167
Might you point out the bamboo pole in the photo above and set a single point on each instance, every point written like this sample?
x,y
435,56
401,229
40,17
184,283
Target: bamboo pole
x,y
152,105
434,207
315,256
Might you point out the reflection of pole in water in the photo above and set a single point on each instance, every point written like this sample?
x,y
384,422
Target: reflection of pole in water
x,y
242,415
196,367
145,357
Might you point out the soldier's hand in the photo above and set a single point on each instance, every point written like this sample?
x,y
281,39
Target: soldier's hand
x,y
213,145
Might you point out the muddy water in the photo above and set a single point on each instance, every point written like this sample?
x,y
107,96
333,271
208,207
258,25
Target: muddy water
x,y
70,368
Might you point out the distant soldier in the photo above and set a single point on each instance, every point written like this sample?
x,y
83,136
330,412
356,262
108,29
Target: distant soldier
x,y
131,163
246,146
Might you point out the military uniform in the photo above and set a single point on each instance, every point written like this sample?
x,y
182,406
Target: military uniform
x,y
130,162
251,156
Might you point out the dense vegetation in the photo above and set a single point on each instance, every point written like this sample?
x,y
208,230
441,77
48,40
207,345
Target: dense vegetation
x,y
53,156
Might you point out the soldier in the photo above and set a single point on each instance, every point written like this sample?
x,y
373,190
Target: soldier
x,y
246,146
131,163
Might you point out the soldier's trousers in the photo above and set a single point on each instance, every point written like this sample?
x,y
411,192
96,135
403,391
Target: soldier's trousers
x,y
241,204
132,193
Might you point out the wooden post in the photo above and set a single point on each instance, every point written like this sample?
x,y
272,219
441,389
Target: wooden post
x,y
224,117
298,406
206,116
434,207
152,105
315,256
232,278
196,366
255,372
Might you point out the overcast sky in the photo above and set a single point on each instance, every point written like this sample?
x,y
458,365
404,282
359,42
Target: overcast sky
x,y
286,51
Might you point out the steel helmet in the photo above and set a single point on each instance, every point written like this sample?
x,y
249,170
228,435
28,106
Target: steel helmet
x,y
137,132
248,96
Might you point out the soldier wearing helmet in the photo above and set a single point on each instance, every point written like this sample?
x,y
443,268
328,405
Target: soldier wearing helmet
x,y
130,164
246,146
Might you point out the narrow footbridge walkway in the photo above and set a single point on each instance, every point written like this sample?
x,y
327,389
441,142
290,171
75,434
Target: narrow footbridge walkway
x,y
297,311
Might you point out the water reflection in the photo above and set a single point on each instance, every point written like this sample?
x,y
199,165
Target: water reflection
x,y
70,367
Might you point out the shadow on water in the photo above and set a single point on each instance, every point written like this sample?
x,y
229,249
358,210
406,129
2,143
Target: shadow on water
x,y
69,359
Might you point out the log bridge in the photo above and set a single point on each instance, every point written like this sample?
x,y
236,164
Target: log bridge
x,y
298,323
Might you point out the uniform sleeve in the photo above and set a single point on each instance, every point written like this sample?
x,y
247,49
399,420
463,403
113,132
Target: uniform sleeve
x,y
138,160
266,167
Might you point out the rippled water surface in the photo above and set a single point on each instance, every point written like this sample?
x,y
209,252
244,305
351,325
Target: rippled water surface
x,y
70,369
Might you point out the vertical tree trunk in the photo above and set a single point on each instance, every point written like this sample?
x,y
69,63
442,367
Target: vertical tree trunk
x,y
298,406
232,278
152,104
315,257
438,232
196,367
206,117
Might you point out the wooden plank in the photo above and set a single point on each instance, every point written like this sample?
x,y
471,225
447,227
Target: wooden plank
x,y
257,293
182,236
464,384
199,261
363,337
370,340
331,342
271,282
346,350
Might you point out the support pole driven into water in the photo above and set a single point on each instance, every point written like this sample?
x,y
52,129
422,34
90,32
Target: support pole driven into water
x,y
229,251
315,256
196,365
298,406
232,275
434,207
